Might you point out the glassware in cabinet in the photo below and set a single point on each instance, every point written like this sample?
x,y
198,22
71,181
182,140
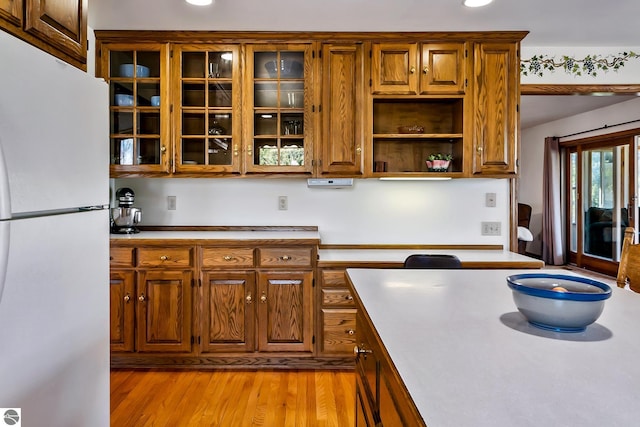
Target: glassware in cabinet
x,y
279,139
137,135
207,122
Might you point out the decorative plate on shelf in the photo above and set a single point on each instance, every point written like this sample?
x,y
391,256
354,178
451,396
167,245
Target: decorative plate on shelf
x,y
411,129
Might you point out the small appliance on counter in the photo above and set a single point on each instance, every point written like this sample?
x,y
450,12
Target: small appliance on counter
x,y
125,217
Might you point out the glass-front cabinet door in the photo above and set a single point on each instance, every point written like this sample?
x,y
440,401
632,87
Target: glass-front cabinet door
x,y
279,129
207,121
139,131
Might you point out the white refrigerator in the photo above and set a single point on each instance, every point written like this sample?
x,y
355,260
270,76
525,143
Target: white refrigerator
x,y
54,240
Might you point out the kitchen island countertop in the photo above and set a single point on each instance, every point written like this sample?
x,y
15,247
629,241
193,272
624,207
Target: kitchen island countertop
x,y
468,358
226,235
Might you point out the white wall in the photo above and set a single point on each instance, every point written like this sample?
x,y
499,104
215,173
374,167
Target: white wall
x,y
530,183
372,211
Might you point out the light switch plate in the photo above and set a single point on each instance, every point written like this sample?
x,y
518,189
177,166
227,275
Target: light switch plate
x,y
491,228
490,200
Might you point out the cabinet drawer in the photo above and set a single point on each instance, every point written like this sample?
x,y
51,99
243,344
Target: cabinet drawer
x,y
165,257
333,278
338,297
121,257
285,257
339,331
227,257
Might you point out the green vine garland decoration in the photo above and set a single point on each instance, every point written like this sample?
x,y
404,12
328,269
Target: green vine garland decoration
x,y
590,65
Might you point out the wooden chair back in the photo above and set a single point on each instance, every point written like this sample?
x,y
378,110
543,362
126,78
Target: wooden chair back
x,y
629,268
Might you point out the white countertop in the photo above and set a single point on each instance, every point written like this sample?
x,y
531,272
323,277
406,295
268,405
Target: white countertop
x,y
220,235
468,358
399,255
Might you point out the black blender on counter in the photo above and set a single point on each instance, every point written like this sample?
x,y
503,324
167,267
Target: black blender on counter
x,y
125,217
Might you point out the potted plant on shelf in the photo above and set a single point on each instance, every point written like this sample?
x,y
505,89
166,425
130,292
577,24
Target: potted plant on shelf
x,y
439,162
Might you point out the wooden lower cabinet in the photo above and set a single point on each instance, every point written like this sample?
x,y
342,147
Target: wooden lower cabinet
x,y
227,311
285,311
122,306
208,305
163,321
337,334
381,397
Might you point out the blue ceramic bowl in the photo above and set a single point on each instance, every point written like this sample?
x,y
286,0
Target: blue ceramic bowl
x,y
558,302
126,70
124,100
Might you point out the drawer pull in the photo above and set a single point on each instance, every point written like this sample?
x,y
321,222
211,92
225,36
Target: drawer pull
x,y
351,332
357,351
141,298
249,299
285,257
227,257
165,257
127,298
348,298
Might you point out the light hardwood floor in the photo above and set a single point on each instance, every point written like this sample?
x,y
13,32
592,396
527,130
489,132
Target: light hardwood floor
x,y
232,398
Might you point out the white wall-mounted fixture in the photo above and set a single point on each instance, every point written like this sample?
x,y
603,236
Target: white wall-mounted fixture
x,y
329,182
476,3
200,2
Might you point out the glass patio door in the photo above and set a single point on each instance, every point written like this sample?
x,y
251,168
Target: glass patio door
x,y
602,195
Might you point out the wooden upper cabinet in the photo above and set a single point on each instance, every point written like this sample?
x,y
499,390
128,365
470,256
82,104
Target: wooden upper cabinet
x,y
398,69
58,27
342,109
394,68
11,13
207,124
443,68
496,95
61,23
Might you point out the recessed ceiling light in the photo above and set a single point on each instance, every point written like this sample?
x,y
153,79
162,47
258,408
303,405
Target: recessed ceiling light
x,y
200,2
476,3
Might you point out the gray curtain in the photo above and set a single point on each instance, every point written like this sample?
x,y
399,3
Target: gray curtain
x,y
552,243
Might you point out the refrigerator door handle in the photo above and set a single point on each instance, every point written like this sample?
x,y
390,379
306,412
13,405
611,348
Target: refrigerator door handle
x,y
5,194
5,228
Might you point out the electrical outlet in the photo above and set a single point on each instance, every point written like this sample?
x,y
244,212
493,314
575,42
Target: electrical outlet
x,y
490,200
283,203
171,203
491,228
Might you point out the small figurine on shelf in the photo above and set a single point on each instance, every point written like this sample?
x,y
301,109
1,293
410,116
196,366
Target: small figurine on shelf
x,y
439,162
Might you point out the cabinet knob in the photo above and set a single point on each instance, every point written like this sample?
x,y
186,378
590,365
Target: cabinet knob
x,y
349,298
263,299
235,149
164,257
358,150
425,69
249,299
285,257
127,298
163,149
227,257
141,298
351,332
249,150
412,70
479,149
357,351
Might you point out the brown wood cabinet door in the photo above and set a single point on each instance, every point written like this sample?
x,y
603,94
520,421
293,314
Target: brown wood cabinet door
x,y
496,95
122,307
11,13
228,307
284,311
394,68
443,68
342,106
164,311
60,23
